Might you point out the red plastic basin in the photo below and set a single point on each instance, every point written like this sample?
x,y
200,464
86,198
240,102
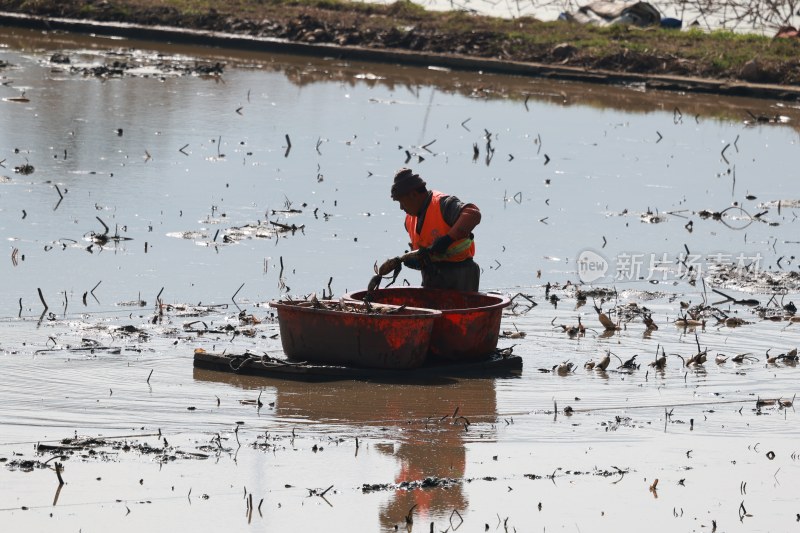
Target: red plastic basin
x,y
369,340
468,327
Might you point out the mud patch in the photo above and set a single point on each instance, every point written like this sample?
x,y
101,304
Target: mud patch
x,y
266,229
447,483
754,279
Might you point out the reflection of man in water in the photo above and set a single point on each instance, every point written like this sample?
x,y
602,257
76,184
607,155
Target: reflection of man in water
x,y
436,456
440,226
435,451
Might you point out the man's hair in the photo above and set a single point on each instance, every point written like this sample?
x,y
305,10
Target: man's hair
x,y
406,181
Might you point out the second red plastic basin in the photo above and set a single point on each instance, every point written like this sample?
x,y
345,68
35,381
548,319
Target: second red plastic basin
x,y
469,326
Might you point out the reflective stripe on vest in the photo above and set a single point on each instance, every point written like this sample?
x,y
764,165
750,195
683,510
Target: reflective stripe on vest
x,y
434,227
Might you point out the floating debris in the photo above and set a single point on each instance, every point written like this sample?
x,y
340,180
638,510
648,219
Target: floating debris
x,y
25,169
133,63
343,306
765,119
780,204
18,99
60,58
752,279
189,235
652,218
235,234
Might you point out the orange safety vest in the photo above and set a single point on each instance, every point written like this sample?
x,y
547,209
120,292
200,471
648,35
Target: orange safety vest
x,y
434,227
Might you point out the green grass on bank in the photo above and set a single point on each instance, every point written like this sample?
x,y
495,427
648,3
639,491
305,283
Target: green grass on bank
x,y
693,52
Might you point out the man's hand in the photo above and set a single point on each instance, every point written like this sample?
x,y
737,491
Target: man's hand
x,y
440,245
412,263
420,259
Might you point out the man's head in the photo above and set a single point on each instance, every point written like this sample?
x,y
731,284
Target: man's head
x,y
410,190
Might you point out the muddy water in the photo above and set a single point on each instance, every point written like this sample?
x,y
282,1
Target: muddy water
x,y
188,170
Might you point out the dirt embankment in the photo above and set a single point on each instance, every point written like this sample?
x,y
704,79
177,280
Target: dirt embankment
x,y
404,26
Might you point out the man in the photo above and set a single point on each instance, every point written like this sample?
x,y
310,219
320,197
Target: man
x,y
440,226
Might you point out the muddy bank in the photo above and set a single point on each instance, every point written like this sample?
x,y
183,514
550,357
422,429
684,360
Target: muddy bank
x,y
403,34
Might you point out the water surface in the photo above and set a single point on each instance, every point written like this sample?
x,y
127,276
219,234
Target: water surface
x,y
188,170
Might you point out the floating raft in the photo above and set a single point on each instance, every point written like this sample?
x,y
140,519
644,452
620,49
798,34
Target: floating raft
x,y
496,365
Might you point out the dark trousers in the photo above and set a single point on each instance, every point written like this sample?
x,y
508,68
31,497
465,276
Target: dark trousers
x,y
460,276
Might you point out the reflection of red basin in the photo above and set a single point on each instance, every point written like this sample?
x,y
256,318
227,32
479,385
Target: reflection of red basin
x,y
371,340
468,327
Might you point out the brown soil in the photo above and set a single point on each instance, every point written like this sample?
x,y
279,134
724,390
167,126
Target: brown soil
x,y
404,26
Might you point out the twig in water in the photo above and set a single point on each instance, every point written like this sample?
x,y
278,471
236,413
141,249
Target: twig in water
x,y
92,291
104,225
723,154
41,297
234,296
410,516
742,512
58,493
461,520
60,197
59,468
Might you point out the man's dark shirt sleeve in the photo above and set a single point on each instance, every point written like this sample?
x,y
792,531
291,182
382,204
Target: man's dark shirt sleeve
x,y
461,217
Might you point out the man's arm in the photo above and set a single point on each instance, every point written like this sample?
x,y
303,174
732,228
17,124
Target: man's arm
x,y
462,218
